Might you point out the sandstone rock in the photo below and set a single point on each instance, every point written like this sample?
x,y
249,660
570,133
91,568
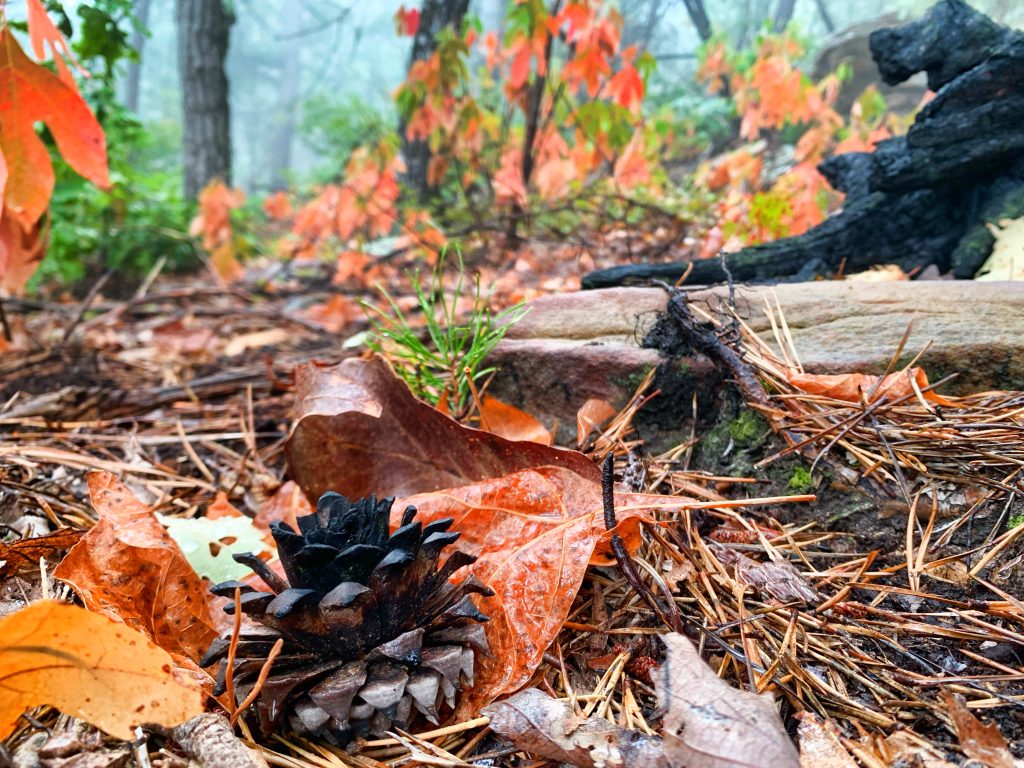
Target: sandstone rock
x,y
571,347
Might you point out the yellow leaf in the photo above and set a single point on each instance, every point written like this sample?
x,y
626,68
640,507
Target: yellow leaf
x,y
90,667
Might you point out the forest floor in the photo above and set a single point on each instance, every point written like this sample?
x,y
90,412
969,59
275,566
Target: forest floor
x,y
883,632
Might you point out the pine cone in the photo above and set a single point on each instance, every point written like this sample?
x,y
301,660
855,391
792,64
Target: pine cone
x,y
373,630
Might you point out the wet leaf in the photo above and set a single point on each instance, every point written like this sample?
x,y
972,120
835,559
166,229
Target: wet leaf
x,y
710,724
511,423
592,415
359,431
90,667
979,741
208,544
23,555
850,386
546,727
534,532
129,568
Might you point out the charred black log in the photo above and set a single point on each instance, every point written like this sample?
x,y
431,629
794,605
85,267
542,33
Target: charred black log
x,y
920,199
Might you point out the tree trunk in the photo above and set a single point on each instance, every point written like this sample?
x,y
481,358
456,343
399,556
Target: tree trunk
x,y
699,17
783,15
138,41
280,159
826,17
203,32
435,15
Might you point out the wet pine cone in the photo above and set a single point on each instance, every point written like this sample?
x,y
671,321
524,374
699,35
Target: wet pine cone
x,y
373,630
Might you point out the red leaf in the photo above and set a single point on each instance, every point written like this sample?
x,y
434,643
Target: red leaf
x,y
128,567
358,430
408,21
20,250
30,93
534,532
42,34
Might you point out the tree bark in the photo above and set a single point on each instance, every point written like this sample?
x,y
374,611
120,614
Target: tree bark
x,y
783,15
138,42
826,17
204,28
699,17
435,15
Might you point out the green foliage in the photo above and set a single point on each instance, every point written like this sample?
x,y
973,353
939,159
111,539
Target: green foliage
x,y
334,126
747,429
801,481
444,362
143,216
1016,520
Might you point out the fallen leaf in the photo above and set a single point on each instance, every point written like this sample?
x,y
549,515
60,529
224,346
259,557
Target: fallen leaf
x,y
710,724
819,744
879,273
592,415
333,315
181,337
546,727
90,667
358,430
534,532
23,554
908,750
511,423
285,506
780,582
1007,259
268,338
208,544
849,386
129,568
979,741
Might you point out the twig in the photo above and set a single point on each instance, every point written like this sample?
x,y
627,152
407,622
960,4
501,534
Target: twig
x,y
86,303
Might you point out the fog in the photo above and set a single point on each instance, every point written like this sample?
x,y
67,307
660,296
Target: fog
x,y
291,59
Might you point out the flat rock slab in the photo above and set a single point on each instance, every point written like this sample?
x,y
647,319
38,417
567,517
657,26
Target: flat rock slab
x,y
575,346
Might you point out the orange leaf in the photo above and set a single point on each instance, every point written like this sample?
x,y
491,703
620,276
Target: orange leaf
x,y
285,506
849,386
534,533
333,315
510,422
591,415
42,34
632,169
130,569
89,667
20,250
24,554
358,430
277,206
30,93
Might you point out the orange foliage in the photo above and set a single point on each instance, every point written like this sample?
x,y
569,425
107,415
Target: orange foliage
x,y
855,387
130,569
213,222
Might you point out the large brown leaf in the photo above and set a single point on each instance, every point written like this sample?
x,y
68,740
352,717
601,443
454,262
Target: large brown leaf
x,y
534,532
709,724
359,430
130,569
90,667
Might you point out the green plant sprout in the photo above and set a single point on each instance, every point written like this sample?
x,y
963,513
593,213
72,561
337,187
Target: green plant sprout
x,y
441,362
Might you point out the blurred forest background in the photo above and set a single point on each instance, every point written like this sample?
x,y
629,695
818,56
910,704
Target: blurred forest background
x,y
322,97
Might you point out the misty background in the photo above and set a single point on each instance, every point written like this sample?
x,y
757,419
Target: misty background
x,y
300,70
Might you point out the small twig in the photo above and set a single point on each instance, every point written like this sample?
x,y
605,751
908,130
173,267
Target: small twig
x,y
260,681
229,672
670,617
86,303
3,322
